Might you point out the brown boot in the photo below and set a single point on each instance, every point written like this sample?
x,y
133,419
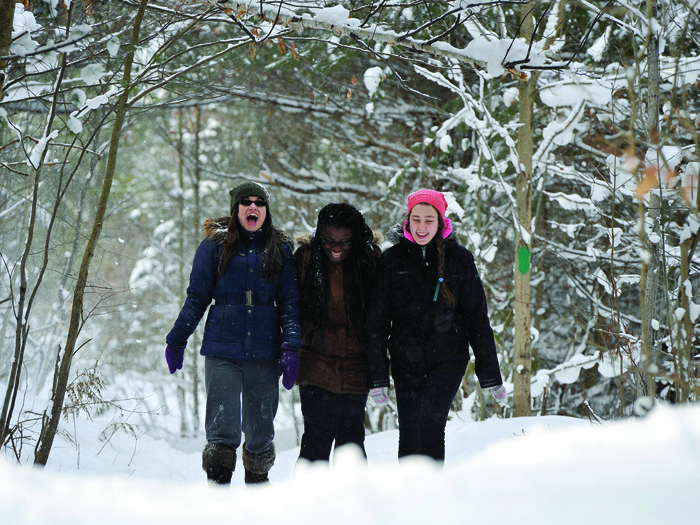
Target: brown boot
x,y
219,462
257,465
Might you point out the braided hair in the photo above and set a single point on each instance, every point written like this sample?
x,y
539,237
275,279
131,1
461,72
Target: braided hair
x,y
440,247
273,240
359,267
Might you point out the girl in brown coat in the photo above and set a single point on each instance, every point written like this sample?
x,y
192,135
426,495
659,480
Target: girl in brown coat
x,y
336,268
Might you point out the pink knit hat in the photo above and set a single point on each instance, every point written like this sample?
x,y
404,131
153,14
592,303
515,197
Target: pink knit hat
x,y
435,199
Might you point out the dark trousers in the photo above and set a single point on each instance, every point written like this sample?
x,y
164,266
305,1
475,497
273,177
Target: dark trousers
x,y
241,396
330,417
423,403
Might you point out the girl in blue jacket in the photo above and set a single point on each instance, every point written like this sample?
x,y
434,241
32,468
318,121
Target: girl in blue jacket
x,y
252,335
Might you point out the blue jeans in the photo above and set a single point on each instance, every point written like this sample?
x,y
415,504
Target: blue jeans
x,y
242,396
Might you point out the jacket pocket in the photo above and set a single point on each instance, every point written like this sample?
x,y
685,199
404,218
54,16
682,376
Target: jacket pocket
x,y
214,324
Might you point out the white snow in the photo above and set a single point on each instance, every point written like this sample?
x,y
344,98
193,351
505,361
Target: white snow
x,y
372,78
496,52
550,469
34,159
74,123
336,15
92,73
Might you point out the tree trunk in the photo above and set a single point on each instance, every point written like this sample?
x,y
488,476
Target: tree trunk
x,y
7,16
650,266
50,427
521,357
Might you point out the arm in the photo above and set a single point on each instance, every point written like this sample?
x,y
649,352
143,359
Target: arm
x,y
199,294
472,311
379,327
288,301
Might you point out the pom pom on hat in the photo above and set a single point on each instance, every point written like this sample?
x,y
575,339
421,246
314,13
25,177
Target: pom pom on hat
x,y
248,189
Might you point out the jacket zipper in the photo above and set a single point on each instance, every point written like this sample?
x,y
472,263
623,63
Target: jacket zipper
x,y
437,286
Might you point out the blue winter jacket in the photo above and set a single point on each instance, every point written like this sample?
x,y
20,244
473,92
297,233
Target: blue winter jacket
x,y
251,317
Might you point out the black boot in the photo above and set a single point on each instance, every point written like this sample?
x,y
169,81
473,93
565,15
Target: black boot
x,y
219,475
251,478
257,465
219,462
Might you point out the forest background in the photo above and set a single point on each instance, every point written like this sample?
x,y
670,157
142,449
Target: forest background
x,y
564,133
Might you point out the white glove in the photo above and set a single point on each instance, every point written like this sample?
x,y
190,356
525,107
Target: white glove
x,y
378,395
499,393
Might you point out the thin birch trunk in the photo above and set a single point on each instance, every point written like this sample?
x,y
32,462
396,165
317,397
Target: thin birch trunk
x,y
522,371
50,426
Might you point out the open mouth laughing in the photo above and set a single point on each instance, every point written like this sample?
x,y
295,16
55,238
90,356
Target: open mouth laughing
x,y
252,219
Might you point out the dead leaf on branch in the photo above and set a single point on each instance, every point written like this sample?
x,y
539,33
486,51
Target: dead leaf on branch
x,y
283,48
518,74
648,183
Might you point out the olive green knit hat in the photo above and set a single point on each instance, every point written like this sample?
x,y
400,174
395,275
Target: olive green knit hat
x,y
248,189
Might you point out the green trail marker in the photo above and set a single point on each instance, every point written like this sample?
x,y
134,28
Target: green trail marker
x,y
523,259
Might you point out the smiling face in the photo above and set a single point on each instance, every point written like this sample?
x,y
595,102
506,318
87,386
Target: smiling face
x,y
336,242
423,223
252,213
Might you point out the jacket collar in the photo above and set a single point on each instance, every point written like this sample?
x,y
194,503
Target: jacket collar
x,y
251,237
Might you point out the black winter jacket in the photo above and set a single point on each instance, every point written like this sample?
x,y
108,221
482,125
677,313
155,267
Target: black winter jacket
x,y
236,330
420,332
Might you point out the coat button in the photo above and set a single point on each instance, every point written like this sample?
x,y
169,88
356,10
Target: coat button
x,y
250,312
248,333
250,251
250,270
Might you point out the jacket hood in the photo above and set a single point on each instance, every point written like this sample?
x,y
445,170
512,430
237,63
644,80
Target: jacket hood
x,y
216,229
395,234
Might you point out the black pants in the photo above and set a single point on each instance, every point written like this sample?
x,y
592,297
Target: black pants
x,y
423,403
329,417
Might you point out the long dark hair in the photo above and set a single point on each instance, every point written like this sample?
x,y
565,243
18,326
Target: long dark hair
x,y
359,266
273,241
440,247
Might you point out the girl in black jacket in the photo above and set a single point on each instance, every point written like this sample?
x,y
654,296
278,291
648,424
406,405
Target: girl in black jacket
x,y
427,308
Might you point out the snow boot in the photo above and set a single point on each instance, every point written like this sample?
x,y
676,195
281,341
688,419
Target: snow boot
x,y
219,462
257,465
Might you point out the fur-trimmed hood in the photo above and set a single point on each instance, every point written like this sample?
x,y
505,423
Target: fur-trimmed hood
x,y
216,229
394,234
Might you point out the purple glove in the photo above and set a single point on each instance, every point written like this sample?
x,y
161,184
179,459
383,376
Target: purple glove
x,y
174,357
289,365
499,393
378,395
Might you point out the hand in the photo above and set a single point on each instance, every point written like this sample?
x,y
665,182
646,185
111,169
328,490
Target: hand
x,y
499,393
378,395
289,365
174,357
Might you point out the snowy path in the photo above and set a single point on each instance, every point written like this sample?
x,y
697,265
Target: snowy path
x,y
527,470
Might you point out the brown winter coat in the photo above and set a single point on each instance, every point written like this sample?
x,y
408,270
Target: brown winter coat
x,y
334,359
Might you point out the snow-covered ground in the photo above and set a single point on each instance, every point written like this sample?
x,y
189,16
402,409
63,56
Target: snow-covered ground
x,y
522,470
